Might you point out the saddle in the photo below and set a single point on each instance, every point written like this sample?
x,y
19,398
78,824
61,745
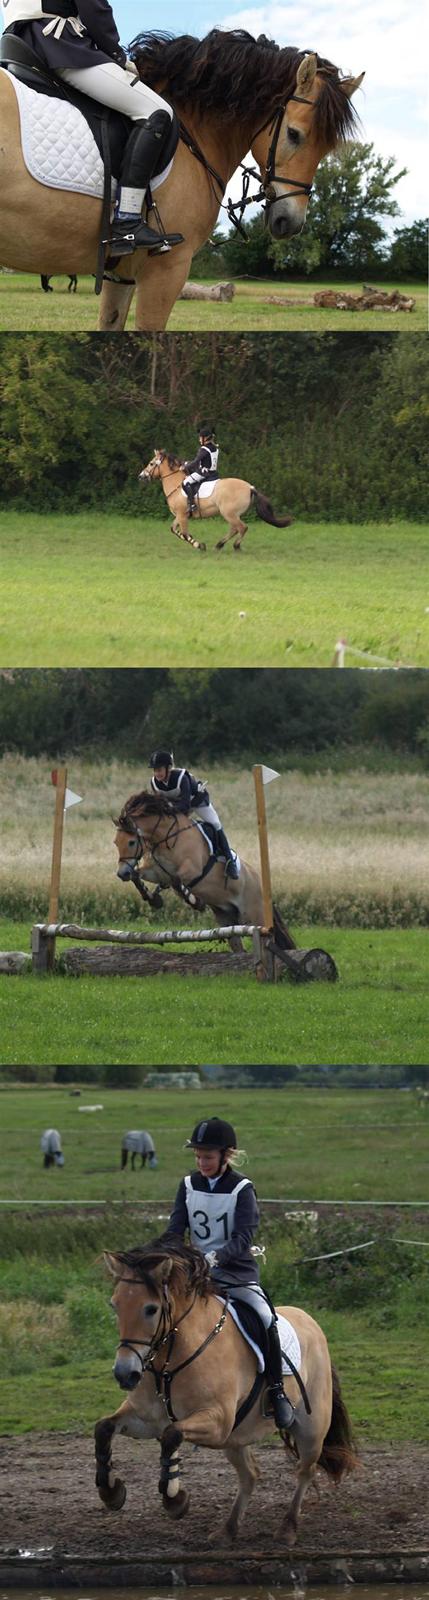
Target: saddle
x,y
109,128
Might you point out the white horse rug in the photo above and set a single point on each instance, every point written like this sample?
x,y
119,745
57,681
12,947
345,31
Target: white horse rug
x,y
58,147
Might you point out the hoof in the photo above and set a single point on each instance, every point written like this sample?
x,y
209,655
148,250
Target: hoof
x,y
177,1506
202,546
290,1533
114,1499
237,544
220,544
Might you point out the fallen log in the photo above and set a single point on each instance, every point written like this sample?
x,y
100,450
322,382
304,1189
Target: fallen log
x,y
207,291
370,299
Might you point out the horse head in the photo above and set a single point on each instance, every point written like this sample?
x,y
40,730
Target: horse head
x,y
153,469
155,1287
306,126
136,826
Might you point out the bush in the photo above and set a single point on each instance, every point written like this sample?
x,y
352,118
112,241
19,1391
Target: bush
x,y
122,1077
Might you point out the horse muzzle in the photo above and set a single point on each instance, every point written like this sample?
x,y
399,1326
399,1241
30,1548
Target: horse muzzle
x,y
127,1371
125,871
285,215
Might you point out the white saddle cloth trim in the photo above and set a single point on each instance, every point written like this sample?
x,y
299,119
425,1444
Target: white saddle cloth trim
x,y
288,1339
58,147
204,489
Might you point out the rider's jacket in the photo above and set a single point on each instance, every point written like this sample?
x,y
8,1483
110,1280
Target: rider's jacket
x,y
183,788
205,462
223,1217
95,15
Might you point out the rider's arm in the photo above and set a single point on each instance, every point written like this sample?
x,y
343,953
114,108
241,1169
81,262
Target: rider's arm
x,y
97,17
245,1224
185,798
178,1221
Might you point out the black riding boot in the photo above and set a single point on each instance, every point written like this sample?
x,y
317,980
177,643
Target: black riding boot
x,y
130,232
224,846
191,492
284,1414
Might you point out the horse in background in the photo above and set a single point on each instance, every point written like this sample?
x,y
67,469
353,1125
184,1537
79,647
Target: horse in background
x,y
47,286
50,1145
138,1143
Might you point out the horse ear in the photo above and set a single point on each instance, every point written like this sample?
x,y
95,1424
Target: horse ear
x,y
306,72
111,1262
162,1273
349,85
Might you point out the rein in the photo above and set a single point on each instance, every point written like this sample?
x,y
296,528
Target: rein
x,y
271,176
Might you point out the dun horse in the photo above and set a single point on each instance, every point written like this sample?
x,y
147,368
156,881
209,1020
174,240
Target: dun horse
x,y
180,1354
227,497
234,94
159,844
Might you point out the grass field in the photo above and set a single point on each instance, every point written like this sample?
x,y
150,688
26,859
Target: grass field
x,y
376,1015
56,1331
24,306
85,589
302,1144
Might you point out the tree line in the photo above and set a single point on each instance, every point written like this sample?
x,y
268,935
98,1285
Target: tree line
x,y
332,426
220,714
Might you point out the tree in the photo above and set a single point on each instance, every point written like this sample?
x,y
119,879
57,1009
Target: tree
x,y
409,252
352,192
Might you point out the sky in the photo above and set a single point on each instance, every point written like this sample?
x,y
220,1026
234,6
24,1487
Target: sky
x,y
384,37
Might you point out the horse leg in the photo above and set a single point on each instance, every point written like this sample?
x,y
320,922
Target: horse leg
x,y
241,529
306,1474
175,1500
160,279
227,536
124,1159
246,1467
115,302
308,1441
182,530
112,1490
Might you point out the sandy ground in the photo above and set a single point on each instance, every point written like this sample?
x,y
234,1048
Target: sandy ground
x,y
49,1500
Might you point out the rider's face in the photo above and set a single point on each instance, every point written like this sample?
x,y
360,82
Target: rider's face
x,y
162,774
208,1162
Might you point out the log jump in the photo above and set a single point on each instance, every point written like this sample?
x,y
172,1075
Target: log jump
x,y
140,957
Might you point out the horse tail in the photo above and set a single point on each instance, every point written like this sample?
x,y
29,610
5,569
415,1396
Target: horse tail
x,y
266,512
282,935
338,1452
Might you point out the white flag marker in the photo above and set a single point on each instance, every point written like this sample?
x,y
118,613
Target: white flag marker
x,y
268,774
72,799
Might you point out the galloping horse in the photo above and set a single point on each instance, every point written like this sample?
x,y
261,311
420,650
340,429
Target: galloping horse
x,y
181,1353
170,849
235,94
228,498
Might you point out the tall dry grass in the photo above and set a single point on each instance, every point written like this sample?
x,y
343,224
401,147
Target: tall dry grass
x,y
345,846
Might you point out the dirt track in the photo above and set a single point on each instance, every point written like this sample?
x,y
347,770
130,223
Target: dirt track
x,y
49,1499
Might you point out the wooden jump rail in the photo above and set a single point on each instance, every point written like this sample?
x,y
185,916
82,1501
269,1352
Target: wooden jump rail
x,y
44,935
267,960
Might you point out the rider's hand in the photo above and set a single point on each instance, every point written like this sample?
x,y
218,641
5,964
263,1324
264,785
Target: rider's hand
x,y
211,1258
130,66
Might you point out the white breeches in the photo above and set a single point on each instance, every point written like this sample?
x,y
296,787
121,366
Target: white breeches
x,y
254,1296
207,814
112,86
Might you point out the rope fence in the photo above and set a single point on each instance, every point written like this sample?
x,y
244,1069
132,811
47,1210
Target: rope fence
x,y
342,648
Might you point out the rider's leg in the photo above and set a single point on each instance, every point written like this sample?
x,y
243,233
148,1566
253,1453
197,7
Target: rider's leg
x,y
253,1295
112,86
224,847
190,487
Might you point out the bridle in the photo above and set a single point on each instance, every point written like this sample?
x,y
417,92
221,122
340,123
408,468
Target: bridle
x,y
164,1377
271,176
166,477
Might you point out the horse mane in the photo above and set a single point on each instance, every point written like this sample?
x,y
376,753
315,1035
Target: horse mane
x,y
145,804
190,1272
173,461
233,74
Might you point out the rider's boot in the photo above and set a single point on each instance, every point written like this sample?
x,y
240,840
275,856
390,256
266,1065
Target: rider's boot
x,y
144,148
284,1414
223,845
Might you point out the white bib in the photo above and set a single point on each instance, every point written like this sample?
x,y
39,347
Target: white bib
x,y
211,1216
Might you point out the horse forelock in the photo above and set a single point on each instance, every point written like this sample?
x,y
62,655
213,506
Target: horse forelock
x,y
144,804
190,1272
228,72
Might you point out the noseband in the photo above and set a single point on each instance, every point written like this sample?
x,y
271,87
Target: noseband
x,y
271,176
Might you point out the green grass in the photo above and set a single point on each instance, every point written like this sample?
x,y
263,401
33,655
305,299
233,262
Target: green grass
x,y
376,1014
24,306
86,589
315,1144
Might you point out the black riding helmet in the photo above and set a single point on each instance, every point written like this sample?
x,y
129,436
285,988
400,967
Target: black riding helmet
x,y
161,758
205,430
214,1134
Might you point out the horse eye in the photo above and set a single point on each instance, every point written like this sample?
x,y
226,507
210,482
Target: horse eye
x,y
149,1311
293,135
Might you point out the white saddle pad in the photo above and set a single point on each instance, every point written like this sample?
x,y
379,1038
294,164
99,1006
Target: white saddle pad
x,y
288,1339
58,147
205,489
